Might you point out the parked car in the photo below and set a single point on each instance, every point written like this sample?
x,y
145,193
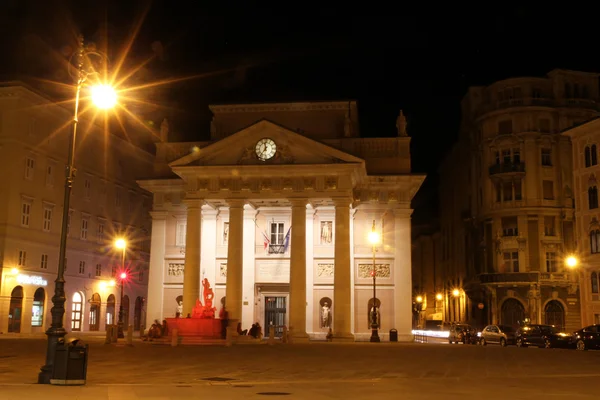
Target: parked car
x,y
542,336
587,338
497,334
462,333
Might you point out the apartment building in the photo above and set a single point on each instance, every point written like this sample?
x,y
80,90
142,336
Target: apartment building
x,y
106,203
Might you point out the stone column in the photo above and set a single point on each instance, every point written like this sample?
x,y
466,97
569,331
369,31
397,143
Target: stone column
x,y
249,268
341,276
234,288
154,304
209,249
402,275
310,279
191,273
298,269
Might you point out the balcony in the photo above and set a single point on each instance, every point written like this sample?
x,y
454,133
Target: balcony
x,y
511,168
276,249
510,277
554,277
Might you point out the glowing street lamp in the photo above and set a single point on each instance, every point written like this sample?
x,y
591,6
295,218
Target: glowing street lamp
x,y
572,261
103,96
374,239
456,292
104,99
121,244
419,299
439,297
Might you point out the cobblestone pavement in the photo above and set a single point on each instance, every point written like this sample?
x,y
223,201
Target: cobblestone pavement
x,y
308,371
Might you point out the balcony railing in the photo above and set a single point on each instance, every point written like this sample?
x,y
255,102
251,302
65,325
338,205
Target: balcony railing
x,y
507,168
276,249
509,277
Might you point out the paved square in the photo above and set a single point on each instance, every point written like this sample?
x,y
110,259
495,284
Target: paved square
x,y
308,371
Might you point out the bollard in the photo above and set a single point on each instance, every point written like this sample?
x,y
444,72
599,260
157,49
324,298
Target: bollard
x,y
142,329
108,339
174,333
284,339
115,333
130,335
289,334
271,340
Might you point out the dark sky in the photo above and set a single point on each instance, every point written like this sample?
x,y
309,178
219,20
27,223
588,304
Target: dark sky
x,y
420,60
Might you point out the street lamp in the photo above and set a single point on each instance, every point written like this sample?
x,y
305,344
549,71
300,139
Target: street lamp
x,y
571,261
374,239
57,331
121,244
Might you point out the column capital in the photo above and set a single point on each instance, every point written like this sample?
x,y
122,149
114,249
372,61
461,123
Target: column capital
x,y
250,213
210,213
236,203
159,214
342,201
193,203
402,212
295,202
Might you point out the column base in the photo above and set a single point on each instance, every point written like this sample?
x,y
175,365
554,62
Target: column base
x,y
343,337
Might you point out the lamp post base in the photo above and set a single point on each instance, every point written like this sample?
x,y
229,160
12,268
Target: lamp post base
x,y
120,334
374,335
54,336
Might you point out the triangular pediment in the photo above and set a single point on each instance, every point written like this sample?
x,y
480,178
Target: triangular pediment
x,y
291,148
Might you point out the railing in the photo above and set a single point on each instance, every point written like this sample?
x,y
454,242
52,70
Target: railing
x,y
509,277
276,249
506,168
554,276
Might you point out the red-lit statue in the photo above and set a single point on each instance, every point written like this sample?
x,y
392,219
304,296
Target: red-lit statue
x,y
207,310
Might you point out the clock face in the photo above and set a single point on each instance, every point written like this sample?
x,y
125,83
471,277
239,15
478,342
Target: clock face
x,y
265,149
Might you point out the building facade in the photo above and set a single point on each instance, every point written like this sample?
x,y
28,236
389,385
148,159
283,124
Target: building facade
x,y
106,203
585,141
275,212
507,216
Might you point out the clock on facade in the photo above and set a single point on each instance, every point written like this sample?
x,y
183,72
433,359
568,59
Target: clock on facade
x,y
265,149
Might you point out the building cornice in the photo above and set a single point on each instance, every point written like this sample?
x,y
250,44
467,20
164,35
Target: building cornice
x,y
262,107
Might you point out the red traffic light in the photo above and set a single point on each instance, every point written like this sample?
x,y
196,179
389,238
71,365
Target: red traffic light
x,y
123,275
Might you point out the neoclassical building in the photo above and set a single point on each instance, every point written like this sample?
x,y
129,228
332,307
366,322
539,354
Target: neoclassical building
x,y
275,211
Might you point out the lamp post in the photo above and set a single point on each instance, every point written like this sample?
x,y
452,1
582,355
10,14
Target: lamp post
x,y
122,245
374,238
104,98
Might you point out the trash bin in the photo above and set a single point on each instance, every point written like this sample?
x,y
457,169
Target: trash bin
x,y
70,363
393,335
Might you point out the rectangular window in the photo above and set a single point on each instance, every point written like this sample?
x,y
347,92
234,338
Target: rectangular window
x,y
22,261
47,219
516,156
511,261
548,190
82,267
549,226
277,233
536,93
180,234
25,213
506,156
507,191
84,228
98,269
87,188
505,127
547,157
510,226
50,175
29,168
44,262
518,192
100,230
551,263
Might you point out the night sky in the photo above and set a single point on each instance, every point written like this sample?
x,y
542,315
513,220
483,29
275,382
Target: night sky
x,y
419,60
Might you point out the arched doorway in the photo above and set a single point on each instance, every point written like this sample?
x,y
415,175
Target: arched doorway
x,y
377,303
76,311
15,310
125,312
37,310
137,313
512,313
95,303
554,314
110,310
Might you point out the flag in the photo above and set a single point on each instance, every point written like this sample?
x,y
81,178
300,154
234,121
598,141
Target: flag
x,y
266,240
286,241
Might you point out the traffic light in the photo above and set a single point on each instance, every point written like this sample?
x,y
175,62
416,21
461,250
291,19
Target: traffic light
x,y
123,276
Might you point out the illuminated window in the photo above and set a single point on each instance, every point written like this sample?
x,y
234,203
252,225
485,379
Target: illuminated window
x,y
84,228
551,262
76,311
100,230
511,261
82,267
37,310
22,261
180,234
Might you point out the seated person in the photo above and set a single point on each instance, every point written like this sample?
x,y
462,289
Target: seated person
x,y
240,331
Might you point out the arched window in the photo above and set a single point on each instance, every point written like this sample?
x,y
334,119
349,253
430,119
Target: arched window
x,y
588,156
593,197
512,312
95,303
594,279
76,311
595,241
554,314
15,309
110,310
37,310
594,155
